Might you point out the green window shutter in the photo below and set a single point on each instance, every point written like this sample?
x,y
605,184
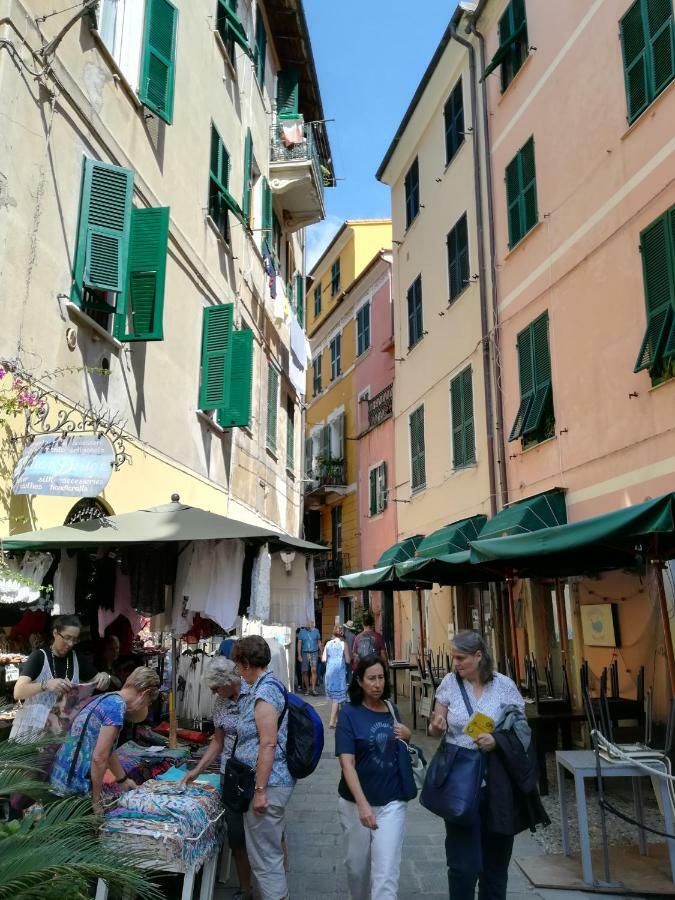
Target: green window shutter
x,y
467,415
457,422
513,200
103,230
230,24
317,300
267,212
309,455
272,404
340,433
140,308
453,116
300,298
521,193
248,168
526,375
412,192
238,411
288,93
335,278
382,487
373,492
260,48
325,442
290,436
214,387
657,247
634,48
648,49
458,258
659,15
417,454
541,368
158,69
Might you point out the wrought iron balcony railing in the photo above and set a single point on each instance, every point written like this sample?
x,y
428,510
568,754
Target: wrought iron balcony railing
x,y
331,473
381,407
306,149
329,566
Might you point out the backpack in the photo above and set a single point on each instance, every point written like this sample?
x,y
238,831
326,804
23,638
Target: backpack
x,y
364,645
304,744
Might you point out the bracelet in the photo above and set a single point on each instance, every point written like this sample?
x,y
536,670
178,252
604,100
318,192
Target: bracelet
x,y
260,787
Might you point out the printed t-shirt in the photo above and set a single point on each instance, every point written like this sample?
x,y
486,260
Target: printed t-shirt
x,y
226,716
309,639
367,643
499,693
369,737
106,710
60,665
266,688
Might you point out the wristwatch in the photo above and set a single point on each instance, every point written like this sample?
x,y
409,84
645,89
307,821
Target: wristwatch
x,y
260,787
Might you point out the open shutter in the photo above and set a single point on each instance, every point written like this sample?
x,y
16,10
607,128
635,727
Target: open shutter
x,y
417,457
541,366
526,374
383,495
238,411
300,298
634,48
325,442
248,162
512,179
267,213
290,436
288,93
660,29
340,436
658,269
272,404
158,70
227,13
214,387
528,187
469,436
260,47
139,312
457,422
309,456
372,492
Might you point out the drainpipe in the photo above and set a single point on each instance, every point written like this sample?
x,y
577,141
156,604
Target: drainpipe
x,y
499,406
485,338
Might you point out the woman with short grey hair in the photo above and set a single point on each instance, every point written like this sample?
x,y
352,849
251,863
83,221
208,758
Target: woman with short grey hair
x,y
224,681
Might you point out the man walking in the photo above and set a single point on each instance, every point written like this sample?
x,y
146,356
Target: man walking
x,y
369,642
309,648
350,635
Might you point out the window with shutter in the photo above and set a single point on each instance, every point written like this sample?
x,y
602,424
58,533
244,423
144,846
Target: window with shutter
x,y
335,278
267,213
220,200
316,375
415,326
272,407
248,177
458,259
382,487
288,93
140,307
317,300
158,68
363,329
237,413
335,357
534,420
324,443
309,457
521,193
513,43
648,48
230,27
372,505
337,441
260,48
216,366
300,298
453,117
463,431
418,475
412,193
290,436
657,248
336,531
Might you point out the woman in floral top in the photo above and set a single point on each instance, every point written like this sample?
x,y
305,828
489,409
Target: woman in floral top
x,y
261,744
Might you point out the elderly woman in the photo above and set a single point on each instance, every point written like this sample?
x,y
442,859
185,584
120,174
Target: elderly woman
x,y
230,690
89,751
481,851
261,744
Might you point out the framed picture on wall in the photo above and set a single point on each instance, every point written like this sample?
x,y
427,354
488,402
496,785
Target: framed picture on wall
x,y
600,625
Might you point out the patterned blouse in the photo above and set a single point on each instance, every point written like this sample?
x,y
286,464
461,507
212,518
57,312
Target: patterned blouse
x,y
497,695
266,688
226,716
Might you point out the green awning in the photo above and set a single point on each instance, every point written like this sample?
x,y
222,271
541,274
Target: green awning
x,y
405,549
502,51
452,538
383,575
447,569
532,514
368,578
616,540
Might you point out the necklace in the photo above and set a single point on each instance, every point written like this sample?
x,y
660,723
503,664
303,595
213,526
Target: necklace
x,y
52,666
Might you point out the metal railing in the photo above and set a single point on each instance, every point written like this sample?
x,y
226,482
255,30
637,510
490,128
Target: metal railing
x,y
329,566
306,150
333,473
381,406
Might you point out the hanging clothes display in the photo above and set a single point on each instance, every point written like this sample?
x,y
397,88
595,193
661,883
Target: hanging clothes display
x,y
260,586
250,555
194,700
288,589
64,584
150,570
33,569
198,579
224,593
122,605
279,661
181,617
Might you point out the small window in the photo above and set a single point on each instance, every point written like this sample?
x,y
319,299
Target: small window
x,y
363,329
513,43
290,435
453,116
120,26
521,193
230,28
458,259
657,249
415,312
418,475
535,420
317,301
377,493
316,376
272,407
220,200
648,47
463,432
412,193
335,357
335,278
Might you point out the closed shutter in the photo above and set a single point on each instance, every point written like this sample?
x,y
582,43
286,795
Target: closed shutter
x,y
238,411
458,258
290,436
325,443
412,193
104,229
541,367
272,405
287,93
463,431
158,71
660,29
140,309
417,455
657,246
373,492
300,298
214,388
526,376
309,456
248,164
453,114
267,212
521,193
260,48
634,48
382,489
467,414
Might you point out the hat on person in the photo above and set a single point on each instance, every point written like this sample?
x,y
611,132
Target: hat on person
x,y
349,624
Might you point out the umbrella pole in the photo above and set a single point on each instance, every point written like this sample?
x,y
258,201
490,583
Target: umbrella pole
x,y
514,635
665,621
173,741
421,615
562,619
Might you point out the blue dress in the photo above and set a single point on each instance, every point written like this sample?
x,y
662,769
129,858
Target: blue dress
x,y
336,675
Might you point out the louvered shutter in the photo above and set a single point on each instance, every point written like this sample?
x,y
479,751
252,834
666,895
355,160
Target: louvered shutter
x,y
382,488
103,230
660,28
373,492
462,253
457,423
526,375
260,48
541,369
309,456
248,163
287,93
658,270
417,456
140,310
158,70
214,388
290,436
238,411
468,429
528,185
325,443
513,200
267,212
634,47
272,405
300,298
227,14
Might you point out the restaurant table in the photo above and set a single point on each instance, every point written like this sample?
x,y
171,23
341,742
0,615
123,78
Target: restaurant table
x,y
582,765
396,666
545,727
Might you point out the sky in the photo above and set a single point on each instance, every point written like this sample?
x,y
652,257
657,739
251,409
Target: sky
x,y
370,56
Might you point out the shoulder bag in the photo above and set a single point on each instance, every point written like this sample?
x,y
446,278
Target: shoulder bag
x,y
453,781
411,763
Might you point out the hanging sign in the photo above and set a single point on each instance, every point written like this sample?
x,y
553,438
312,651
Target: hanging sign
x,y
78,465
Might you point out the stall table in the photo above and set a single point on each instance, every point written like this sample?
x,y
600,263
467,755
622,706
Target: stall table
x,y
207,866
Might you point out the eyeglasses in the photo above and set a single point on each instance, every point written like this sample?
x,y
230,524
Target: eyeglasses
x,y
67,639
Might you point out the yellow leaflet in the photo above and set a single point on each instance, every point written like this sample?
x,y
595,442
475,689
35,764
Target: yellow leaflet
x,y
479,723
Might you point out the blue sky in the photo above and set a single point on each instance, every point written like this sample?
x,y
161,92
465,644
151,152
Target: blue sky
x,y
370,56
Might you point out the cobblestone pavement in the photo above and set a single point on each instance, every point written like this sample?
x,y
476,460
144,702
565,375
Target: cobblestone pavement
x,y
315,850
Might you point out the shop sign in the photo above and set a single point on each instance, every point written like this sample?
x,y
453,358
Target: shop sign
x,y
77,465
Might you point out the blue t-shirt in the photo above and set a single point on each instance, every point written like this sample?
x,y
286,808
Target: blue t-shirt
x,y
268,689
309,639
369,737
226,646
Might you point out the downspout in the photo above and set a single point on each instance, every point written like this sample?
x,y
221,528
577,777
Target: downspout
x,y
499,406
485,337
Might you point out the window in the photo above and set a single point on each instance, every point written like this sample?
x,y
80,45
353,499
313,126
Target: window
x,y
521,193
300,298
657,248
513,43
412,193
220,199
647,44
335,278
363,329
453,116
335,357
461,406
260,48
362,408
226,373
336,440
272,406
288,93
316,375
119,267
415,312
336,530
535,417
237,413
248,178
458,259
120,27
418,476
317,300
266,218
230,28
290,435
377,490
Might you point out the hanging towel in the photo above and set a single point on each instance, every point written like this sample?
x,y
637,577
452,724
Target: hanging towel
x,y
222,601
293,133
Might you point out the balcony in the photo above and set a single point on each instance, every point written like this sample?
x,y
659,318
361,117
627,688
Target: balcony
x,y
326,481
295,171
381,407
329,566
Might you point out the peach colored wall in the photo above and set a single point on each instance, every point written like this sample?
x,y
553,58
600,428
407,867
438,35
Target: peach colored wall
x,y
376,370
377,532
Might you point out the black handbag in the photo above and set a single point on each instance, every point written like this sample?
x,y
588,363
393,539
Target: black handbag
x,y
238,784
453,782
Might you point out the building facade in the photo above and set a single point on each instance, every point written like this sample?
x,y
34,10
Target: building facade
x,y
160,162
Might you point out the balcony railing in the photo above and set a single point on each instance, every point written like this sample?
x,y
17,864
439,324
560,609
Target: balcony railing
x,y
381,407
305,150
329,566
331,473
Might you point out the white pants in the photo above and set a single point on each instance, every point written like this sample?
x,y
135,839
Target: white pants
x,y
373,857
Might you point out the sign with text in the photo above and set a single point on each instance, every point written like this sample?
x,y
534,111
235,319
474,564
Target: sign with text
x,y
78,465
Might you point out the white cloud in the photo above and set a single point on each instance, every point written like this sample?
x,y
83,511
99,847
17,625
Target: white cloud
x,y
319,237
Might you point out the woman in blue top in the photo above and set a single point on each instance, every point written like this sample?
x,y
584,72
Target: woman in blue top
x,y
371,805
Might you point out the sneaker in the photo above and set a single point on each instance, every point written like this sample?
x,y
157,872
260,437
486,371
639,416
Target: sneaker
x,y
314,693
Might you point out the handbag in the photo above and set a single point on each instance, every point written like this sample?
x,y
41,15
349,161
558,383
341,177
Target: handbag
x,y
453,782
411,763
238,784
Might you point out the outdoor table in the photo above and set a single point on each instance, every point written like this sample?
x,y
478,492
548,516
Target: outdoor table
x,y
545,727
208,867
396,666
582,765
